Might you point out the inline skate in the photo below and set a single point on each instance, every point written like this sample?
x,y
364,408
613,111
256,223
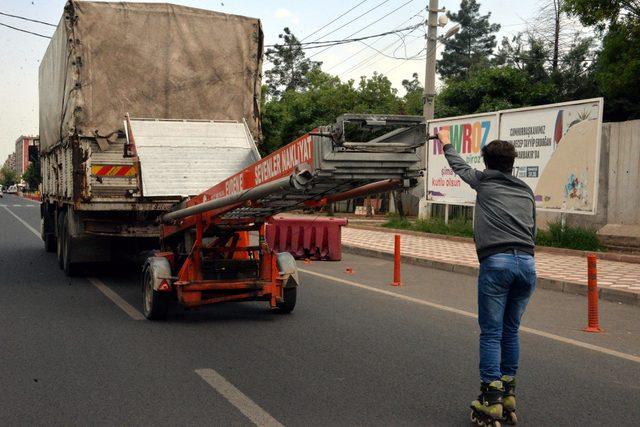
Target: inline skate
x,y
509,400
487,410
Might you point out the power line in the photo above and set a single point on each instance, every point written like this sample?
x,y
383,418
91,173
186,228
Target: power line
x,y
28,19
367,46
329,43
367,26
353,20
25,31
334,20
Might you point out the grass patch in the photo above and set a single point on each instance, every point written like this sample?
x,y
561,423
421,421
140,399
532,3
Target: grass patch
x,y
579,238
456,226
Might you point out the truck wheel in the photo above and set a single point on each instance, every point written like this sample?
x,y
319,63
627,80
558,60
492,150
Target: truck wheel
x,y
289,300
60,238
70,268
154,304
49,239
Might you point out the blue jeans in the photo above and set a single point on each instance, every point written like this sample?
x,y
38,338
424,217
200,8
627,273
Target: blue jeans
x,y
505,284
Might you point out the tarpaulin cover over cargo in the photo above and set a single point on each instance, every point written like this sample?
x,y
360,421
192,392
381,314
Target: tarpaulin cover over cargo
x,y
149,60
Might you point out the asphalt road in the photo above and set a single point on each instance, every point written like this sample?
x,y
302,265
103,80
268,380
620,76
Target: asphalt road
x,y
355,351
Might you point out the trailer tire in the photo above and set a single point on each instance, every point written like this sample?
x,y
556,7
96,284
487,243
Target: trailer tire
x,y
155,305
70,268
60,238
289,296
50,244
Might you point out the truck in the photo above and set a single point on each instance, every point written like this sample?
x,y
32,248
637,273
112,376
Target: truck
x,y
109,67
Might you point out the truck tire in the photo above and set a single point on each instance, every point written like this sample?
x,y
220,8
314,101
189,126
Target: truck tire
x,y
49,239
60,238
70,268
154,304
289,296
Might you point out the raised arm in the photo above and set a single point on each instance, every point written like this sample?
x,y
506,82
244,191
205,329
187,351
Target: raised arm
x,y
468,174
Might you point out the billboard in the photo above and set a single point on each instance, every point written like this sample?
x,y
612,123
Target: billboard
x,y
558,150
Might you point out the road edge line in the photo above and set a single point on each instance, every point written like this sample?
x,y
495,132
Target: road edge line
x,y
238,399
116,299
548,335
25,223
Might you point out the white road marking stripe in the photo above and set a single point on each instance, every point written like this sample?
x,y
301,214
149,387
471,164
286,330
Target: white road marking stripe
x,y
30,228
248,407
532,331
117,299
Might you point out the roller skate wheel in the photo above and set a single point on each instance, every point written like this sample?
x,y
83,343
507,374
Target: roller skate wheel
x,y
512,418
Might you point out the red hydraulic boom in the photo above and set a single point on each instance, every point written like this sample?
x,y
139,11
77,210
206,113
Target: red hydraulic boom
x,y
206,254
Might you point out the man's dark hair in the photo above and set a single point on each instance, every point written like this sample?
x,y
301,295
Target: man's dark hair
x,y
499,155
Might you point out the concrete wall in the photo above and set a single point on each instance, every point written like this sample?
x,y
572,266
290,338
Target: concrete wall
x,y
619,180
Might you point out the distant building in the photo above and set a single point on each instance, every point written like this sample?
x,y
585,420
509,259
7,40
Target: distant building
x,y
10,163
26,152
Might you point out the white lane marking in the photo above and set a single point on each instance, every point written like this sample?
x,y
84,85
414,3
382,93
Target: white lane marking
x,y
248,407
117,299
30,228
532,331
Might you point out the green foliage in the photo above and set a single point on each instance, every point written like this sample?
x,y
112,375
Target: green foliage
x,y
455,227
617,72
32,176
413,98
492,89
597,12
569,237
472,45
290,65
8,177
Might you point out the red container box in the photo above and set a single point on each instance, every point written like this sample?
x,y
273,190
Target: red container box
x,y
304,237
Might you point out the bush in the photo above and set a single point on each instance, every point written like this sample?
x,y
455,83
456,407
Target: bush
x,y
456,226
571,237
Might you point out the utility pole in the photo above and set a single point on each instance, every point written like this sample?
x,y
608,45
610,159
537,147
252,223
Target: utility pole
x,y
430,66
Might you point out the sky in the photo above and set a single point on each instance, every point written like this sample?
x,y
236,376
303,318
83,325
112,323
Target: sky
x,y
20,53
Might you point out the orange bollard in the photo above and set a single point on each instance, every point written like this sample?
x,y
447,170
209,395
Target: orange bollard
x,y
396,262
592,295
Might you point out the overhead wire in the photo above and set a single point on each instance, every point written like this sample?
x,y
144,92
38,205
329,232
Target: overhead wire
x,y
367,26
25,31
332,21
367,46
28,19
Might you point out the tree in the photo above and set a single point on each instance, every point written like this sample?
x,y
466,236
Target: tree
x,y
617,66
470,47
413,98
601,12
32,175
290,65
9,177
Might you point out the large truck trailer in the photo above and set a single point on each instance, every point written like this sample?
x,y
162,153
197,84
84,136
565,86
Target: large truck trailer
x,y
109,61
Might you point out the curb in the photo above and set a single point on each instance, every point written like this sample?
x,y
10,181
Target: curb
x,y
608,294
635,259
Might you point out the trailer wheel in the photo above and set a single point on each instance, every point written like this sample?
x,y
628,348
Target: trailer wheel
x,y
289,296
49,239
154,304
70,268
60,238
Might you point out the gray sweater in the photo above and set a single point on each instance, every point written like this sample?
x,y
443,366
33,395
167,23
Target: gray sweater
x,y
505,216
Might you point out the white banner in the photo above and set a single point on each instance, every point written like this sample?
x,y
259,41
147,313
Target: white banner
x,y
558,153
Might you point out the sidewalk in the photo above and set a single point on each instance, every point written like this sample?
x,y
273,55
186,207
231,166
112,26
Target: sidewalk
x,y
617,281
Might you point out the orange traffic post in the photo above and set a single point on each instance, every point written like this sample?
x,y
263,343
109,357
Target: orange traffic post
x,y
396,262
592,295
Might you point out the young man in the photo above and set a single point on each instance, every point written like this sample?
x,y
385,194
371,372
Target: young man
x,y
504,229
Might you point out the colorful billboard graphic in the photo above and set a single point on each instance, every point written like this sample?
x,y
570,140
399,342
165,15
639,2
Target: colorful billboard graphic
x,y
558,149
